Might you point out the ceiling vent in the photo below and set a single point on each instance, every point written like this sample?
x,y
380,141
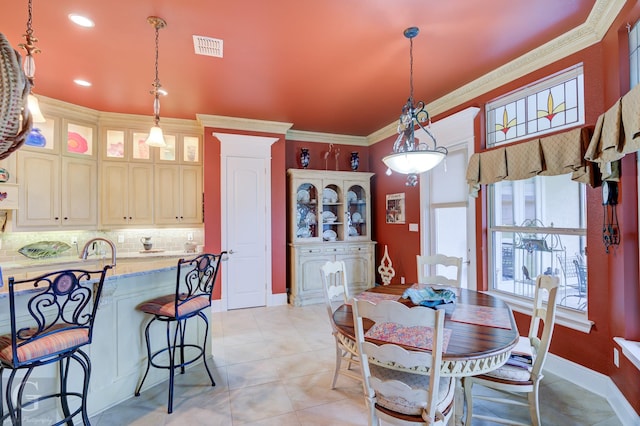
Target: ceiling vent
x,y
207,46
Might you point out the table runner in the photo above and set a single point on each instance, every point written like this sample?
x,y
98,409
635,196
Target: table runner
x,y
420,337
482,315
375,297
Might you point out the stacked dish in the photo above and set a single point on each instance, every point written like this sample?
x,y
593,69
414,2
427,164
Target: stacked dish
x,y
329,235
329,196
328,217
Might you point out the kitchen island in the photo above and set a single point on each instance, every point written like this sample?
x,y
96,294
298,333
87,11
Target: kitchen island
x,y
118,353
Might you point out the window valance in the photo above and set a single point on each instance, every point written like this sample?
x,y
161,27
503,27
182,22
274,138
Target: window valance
x,y
617,133
549,156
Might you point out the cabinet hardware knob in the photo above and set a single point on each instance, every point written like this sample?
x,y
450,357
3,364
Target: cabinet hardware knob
x,y
56,218
66,218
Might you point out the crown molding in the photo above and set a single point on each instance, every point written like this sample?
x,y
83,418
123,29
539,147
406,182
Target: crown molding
x,y
51,106
244,124
146,121
304,136
590,32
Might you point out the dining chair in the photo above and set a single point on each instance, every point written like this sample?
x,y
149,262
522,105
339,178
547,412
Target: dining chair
x,y
336,293
523,372
391,395
426,263
51,326
195,280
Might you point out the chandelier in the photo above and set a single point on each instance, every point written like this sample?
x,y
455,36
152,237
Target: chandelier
x,y
156,138
412,156
30,68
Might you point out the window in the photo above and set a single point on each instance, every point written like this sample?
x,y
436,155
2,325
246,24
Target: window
x,y
533,231
549,105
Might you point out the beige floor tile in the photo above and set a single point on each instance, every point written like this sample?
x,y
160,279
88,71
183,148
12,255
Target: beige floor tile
x,y
346,412
313,390
259,402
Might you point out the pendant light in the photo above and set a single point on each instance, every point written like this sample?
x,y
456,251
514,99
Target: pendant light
x,y
30,68
156,138
411,156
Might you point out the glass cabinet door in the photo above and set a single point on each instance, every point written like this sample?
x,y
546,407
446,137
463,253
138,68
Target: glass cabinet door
x,y
332,215
307,211
357,212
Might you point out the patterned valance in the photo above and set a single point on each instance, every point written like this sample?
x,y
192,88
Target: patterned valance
x,y
549,156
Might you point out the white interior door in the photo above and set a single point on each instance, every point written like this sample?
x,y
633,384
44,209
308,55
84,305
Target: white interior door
x,y
447,213
246,219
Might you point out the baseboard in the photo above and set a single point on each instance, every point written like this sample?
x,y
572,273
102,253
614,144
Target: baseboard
x,y
279,299
594,382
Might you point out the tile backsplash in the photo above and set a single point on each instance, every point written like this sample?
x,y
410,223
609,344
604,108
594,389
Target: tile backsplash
x,y
169,239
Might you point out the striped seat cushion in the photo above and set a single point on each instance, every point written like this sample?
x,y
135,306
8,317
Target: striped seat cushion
x,y
165,306
415,381
56,342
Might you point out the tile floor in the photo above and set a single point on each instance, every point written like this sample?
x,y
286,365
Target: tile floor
x,y
273,366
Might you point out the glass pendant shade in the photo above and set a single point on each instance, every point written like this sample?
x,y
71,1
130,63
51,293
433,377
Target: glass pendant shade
x,y
34,108
156,138
413,162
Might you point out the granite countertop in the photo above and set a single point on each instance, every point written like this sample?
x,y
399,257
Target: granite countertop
x,y
127,264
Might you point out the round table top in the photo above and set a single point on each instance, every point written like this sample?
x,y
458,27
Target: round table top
x,y
469,343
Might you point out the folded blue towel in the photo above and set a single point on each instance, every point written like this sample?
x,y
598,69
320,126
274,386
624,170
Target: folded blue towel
x,y
429,297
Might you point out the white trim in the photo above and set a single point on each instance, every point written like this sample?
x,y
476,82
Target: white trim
x,y
565,318
596,383
233,145
304,136
244,124
630,349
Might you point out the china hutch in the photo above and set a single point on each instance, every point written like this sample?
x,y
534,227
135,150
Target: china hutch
x,y
329,219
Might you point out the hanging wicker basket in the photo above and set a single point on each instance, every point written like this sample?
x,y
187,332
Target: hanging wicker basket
x,y
15,119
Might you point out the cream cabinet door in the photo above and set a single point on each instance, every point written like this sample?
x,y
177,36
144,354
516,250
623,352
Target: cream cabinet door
x,y
39,178
78,192
191,188
167,195
178,195
127,194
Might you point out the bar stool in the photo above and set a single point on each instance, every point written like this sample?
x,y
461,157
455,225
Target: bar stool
x,y
60,308
194,284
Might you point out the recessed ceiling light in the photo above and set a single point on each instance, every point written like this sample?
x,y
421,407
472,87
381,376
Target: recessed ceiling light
x,y
83,83
163,92
83,21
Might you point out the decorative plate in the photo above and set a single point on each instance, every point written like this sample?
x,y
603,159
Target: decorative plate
x,y
76,143
311,218
303,233
352,198
328,216
43,249
4,175
329,235
353,232
329,195
356,218
303,196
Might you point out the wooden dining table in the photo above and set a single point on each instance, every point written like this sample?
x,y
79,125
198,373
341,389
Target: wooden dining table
x,y
473,348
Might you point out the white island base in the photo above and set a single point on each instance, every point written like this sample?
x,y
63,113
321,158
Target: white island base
x,y
118,352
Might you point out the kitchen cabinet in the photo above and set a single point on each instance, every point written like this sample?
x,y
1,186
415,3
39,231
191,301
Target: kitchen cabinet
x,y
56,191
127,194
178,195
329,219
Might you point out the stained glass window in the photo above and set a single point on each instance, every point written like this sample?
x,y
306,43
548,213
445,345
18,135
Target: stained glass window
x,y
549,105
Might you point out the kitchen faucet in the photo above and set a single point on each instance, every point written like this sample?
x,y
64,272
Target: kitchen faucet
x,y
85,250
